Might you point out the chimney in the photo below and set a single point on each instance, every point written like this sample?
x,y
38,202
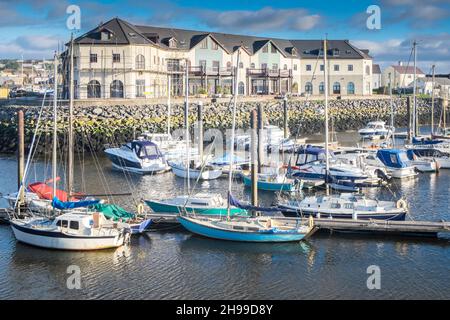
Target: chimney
x,y
400,63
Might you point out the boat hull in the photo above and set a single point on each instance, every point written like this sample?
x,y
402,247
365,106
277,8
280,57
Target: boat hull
x,y
289,211
162,207
270,186
181,172
62,241
220,234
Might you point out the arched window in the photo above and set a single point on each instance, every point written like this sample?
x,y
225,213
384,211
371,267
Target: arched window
x,y
252,65
94,89
350,88
309,88
229,66
241,88
321,88
116,89
336,88
140,62
285,67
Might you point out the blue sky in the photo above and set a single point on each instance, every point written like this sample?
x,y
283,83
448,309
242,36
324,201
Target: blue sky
x,y
34,28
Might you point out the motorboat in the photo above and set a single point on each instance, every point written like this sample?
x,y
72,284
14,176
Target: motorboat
x,y
310,164
430,154
396,162
376,130
138,156
345,206
71,231
172,149
200,203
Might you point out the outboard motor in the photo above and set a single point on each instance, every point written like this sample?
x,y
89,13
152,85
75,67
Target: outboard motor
x,y
382,175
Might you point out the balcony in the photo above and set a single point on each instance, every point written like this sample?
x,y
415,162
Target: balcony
x,y
269,73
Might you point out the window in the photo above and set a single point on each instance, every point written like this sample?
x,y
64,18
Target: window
x,y
62,223
275,66
273,49
172,43
140,62
116,89
322,67
228,66
93,89
215,46
309,88
336,88
285,67
216,66
368,70
336,67
204,44
154,59
295,67
202,64
93,58
308,67
252,65
350,67
241,88
336,52
241,65
105,35
74,225
140,88
265,48
116,57
263,65
321,88
350,88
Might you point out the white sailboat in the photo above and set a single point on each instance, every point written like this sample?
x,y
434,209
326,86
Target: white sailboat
x,y
74,229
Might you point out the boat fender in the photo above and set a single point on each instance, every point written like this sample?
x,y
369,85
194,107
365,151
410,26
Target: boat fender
x,y
311,222
140,208
402,204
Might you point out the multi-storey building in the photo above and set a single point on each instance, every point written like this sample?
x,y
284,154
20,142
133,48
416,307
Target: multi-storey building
x,y
121,60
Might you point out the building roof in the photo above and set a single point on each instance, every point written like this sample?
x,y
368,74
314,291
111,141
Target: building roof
x,y
376,69
122,32
440,81
407,70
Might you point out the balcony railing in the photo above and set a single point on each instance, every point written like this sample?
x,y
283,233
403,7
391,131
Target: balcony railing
x,y
266,72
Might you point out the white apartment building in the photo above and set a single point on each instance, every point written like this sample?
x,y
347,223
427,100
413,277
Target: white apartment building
x,y
400,76
121,60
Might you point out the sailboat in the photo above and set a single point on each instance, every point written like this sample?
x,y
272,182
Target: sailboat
x,y
73,226
253,229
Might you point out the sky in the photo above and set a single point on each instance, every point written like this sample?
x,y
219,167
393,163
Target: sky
x,y
35,28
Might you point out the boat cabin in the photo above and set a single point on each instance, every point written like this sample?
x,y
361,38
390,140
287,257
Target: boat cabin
x,y
144,149
311,154
393,158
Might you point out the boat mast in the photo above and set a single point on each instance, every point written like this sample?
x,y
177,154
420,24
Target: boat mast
x,y
55,129
415,129
186,123
392,111
233,128
432,100
70,138
168,103
325,75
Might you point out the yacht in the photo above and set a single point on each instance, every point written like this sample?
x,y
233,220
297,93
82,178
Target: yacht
x,y
376,130
138,156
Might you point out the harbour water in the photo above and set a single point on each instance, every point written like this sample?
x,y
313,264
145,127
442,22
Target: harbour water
x,y
176,264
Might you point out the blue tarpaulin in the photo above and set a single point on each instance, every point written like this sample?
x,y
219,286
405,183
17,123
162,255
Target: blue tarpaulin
x,y
58,204
235,202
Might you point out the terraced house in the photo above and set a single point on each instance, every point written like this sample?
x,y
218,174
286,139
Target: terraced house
x,y
120,60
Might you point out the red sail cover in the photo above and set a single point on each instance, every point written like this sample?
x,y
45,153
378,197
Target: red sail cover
x,y
46,192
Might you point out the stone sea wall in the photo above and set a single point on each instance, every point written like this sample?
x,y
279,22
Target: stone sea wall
x,y
99,125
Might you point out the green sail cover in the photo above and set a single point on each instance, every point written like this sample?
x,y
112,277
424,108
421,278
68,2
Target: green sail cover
x,y
113,212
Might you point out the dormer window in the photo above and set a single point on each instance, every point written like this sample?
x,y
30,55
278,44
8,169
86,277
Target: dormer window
x,y
215,46
204,44
172,43
294,51
265,48
336,52
105,35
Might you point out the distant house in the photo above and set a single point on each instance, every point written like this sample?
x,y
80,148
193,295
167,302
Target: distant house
x,y
400,76
376,76
441,86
